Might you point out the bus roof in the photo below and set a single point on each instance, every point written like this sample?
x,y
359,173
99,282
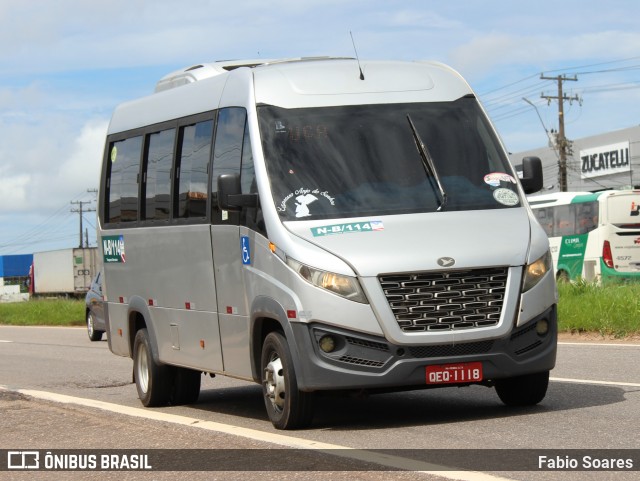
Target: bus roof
x,y
291,83
338,82
562,198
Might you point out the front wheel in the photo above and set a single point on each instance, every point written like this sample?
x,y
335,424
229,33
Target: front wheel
x,y
287,407
526,390
94,334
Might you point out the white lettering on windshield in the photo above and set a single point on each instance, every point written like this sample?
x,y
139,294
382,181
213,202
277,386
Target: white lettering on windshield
x,y
304,197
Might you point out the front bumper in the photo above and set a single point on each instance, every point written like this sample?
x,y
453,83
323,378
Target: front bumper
x,y
368,362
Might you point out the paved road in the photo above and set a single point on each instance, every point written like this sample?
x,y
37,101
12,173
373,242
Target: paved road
x,y
593,403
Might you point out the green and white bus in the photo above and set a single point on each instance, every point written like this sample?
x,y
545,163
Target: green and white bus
x,y
593,236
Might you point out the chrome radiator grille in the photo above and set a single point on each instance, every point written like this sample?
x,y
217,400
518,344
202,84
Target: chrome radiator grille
x,y
446,300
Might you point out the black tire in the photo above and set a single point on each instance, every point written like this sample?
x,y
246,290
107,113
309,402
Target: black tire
x,y
287,406
562,276
186,386
94,334
153,380
525,390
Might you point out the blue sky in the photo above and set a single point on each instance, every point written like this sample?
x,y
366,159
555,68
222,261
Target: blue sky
x,y
65,65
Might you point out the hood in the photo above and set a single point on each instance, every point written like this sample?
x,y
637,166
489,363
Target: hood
x,y
415,242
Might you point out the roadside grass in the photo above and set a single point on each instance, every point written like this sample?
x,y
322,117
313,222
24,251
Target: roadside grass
x,y
43,312
612,310
583,308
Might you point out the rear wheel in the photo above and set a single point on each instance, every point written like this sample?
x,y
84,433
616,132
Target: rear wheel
x,y
287,407
525,390
153,380
186,386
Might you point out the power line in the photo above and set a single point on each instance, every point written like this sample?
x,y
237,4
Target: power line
x,y
511,84
503,103
555,150
567,69
44,231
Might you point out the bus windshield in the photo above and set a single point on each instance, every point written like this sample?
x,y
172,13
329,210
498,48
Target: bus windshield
x,y
352,161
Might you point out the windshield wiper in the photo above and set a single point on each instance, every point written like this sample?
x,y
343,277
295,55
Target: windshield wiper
x,y
427,161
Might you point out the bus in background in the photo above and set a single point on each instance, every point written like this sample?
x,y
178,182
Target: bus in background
x,y
593,236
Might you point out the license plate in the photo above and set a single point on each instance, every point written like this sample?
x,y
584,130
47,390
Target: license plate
x,y
454,373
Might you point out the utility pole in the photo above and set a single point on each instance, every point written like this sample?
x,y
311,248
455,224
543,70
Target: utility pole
x,y
561,142
80,210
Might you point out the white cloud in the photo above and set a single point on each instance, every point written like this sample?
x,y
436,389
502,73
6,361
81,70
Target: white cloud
x,y
421,19
66,64
13,190
74,167
81,167
50,170
484,53
76,34
487,52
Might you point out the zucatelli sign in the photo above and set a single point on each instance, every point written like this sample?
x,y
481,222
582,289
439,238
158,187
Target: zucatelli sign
x,y
605,160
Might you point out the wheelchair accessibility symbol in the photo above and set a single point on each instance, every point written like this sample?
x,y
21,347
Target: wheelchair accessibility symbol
x,y
246,252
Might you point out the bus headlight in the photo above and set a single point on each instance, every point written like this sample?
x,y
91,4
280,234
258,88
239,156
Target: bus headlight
x,y
536,271
344,286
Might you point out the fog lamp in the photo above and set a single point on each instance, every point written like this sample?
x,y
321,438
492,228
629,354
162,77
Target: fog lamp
x,y
327,343
542,327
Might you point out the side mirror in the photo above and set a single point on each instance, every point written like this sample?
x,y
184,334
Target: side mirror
x,y
531,180
230,195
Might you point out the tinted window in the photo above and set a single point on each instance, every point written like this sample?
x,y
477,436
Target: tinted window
x,y
545,218
351,161
250,216
227,156
193,168
587,217
158,175
124,166
565,220
248,174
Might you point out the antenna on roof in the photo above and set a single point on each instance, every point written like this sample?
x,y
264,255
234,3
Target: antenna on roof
x,y
357,58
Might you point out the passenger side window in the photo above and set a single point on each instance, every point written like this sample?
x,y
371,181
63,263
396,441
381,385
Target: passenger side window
x,y
565,220
587,217
192,170
157,175
545,218
227,157
122,181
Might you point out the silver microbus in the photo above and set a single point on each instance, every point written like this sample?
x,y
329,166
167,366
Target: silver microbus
x,y
320,224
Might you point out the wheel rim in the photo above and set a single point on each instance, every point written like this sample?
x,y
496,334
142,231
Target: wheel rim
x,y
142,370
90,324
275,383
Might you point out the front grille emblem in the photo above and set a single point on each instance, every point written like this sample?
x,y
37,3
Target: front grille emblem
x,y
446,262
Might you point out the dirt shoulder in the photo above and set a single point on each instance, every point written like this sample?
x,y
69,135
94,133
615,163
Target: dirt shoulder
x,y
597,337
